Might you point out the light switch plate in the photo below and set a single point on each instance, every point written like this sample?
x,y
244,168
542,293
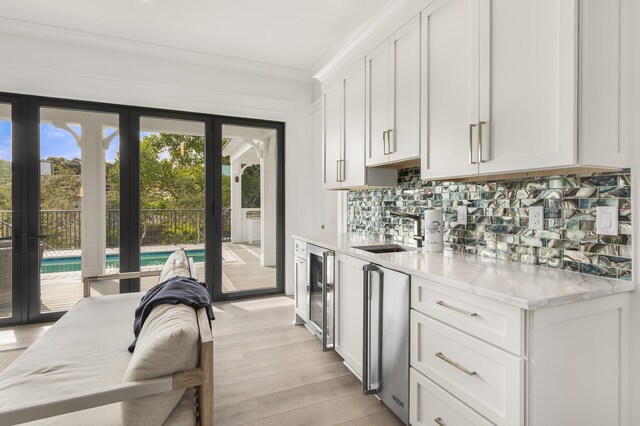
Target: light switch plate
x,y
536,218
607,220
462,215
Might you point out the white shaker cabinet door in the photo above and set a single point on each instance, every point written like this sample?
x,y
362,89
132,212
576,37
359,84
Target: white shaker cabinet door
x,y
404,135
332,140
449,88
349,304
377,105
300,277
528,83
354,123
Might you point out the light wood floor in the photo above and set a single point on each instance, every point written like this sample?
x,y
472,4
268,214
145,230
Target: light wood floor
x,y
270,372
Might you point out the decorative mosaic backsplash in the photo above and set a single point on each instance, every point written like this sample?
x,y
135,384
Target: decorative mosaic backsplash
x,y
498,218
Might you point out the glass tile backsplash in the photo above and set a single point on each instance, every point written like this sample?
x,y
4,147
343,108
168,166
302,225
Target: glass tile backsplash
x,y
497,222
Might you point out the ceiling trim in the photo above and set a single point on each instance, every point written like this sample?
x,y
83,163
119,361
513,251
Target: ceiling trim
x,y
19,28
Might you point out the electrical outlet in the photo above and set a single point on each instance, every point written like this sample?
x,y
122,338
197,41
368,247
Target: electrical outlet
x,y
536,218
607,220
462,215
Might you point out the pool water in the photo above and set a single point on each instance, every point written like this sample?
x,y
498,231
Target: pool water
x,y
148,258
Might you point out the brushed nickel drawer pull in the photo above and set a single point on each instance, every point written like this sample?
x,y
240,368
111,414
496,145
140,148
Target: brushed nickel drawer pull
x,y
455,364
453,308
480,153
439,421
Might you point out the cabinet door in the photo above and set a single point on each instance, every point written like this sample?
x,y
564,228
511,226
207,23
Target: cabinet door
x,y
354,123
377,104
349,301
449,88
332,135
404,138
528,84
300,285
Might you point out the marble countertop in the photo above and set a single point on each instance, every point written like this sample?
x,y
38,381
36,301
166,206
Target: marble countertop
x,y
525,286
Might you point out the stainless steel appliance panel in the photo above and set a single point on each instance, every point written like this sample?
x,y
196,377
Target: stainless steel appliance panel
x,y
386,338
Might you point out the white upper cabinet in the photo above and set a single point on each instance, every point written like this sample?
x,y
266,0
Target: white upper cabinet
x,y
344,135
528,80
515,85
377,105
450,88
354,170
332,136
393,97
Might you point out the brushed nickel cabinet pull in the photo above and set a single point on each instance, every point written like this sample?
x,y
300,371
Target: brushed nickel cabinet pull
x,y
342,170
385,141
480,160
439,421
453,308
389,142
337,170
471,126
455,364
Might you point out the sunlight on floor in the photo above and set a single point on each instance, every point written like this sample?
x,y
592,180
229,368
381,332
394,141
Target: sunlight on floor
x,y
267,303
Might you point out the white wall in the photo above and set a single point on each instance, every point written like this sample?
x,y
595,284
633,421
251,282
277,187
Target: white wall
x,y
630,93
46,68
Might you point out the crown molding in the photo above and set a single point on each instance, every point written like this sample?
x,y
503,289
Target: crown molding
x,y
364,38
19,28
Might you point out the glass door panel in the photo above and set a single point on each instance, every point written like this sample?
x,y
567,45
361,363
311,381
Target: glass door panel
x,y
6,213
78,205
172,193
249,208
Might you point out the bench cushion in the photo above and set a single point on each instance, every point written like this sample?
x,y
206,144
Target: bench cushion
x,y
168,343
177,265
86,349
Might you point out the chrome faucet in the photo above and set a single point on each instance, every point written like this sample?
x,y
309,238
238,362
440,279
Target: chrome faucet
x,y
417,225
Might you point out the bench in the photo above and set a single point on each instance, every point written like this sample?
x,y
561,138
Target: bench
x,y
75,370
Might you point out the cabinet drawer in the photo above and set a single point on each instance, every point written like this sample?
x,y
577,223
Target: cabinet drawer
x,y
431,405
494,322
487,379
300,248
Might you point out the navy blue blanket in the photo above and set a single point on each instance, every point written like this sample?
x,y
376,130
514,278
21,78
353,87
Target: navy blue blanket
x,y
173,291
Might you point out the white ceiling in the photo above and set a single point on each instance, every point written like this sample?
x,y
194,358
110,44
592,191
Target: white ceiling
x,y
295,34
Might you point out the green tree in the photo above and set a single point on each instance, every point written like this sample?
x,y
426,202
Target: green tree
x,y
5,185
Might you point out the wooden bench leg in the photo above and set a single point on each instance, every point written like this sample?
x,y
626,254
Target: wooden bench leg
x,y
205,391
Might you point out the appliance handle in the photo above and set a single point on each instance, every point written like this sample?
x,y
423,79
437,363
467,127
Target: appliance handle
x,y
327,284
367,388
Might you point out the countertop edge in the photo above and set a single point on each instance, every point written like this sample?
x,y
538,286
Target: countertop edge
x,y
622,287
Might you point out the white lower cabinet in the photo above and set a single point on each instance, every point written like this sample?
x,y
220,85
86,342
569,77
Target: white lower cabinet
x,y
348,311
484,377
558,366
300,282
435,406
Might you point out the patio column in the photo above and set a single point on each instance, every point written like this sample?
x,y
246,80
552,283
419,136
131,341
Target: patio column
x,y
236,199
268,181
93,223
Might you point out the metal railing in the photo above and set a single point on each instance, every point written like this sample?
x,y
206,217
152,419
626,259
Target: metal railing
x,y
157,227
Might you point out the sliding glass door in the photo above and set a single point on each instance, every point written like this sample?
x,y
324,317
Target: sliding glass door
x,y
172,192
251,207
91,191
74,212
10,208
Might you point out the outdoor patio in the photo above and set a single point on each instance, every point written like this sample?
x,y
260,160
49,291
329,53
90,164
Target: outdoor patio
x,y
241,271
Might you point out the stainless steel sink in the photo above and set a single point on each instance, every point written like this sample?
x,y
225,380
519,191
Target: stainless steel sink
x,y
381,248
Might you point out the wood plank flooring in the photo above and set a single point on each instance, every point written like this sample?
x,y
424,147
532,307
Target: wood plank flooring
x,y
270,372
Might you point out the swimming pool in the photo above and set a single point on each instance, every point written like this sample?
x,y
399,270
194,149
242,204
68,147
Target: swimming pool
x,y
147,258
